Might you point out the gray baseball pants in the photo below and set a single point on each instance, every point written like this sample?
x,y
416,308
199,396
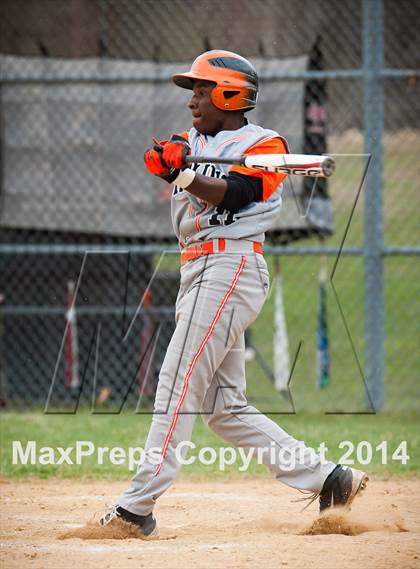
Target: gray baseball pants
x,y
204,372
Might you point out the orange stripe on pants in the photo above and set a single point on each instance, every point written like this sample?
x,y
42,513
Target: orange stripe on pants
x,y
194,361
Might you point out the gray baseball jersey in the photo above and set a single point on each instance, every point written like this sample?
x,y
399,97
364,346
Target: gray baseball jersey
x,y
196,220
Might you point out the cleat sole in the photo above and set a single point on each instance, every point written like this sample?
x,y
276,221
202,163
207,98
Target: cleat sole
x,y
360,480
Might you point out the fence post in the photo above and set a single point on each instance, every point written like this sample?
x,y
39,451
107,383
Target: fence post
x,y
373,121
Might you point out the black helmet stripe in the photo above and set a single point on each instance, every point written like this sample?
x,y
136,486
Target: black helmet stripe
x,y
236,64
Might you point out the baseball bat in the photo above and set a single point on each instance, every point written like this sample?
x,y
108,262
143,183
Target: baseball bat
x,y
295,164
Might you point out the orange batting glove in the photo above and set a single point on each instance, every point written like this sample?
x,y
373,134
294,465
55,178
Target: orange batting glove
x,y
175,151
157,166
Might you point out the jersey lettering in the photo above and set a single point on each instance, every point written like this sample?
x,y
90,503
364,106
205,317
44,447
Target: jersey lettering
x,y
222,217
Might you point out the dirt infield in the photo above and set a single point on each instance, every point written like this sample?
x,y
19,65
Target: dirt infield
x,y
246,524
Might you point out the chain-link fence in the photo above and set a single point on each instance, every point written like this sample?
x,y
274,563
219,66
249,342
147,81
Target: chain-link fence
x,y
84,87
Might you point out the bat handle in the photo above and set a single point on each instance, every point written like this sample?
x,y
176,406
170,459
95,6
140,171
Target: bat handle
x,y
214,160
190,159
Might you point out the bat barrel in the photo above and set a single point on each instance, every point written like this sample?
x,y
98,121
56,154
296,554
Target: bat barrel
x,y
295,164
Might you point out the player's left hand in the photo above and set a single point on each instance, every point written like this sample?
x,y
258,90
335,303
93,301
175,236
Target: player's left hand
x,y
175,151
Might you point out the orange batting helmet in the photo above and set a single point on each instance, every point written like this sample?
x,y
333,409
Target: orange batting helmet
x,y
236,79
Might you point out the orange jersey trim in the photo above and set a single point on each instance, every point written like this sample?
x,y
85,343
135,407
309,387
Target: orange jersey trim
x,y
270,180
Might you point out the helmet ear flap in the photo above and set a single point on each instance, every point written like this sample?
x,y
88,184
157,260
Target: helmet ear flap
x,y
228,99
217,98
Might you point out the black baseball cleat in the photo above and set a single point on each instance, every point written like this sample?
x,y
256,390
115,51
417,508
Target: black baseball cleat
x,y
341,487
146,525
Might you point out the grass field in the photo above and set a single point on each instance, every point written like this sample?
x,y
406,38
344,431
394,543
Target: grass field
x,y
129,430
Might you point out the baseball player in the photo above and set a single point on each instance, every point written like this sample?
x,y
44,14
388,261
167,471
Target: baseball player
x,y
220,215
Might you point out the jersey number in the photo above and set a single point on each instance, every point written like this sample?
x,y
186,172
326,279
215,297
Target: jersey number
x,y
222,217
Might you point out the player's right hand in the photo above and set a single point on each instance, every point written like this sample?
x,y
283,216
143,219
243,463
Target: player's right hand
x,y
175,151
157,166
